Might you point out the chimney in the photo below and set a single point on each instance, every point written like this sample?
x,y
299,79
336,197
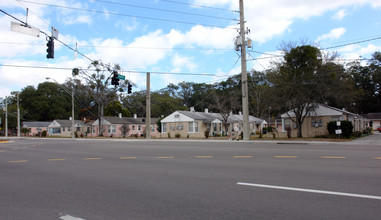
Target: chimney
x,y
119,115
240,113
135,116
192,109
206,110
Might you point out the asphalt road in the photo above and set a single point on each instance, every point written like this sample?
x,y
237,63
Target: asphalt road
x,y
96,179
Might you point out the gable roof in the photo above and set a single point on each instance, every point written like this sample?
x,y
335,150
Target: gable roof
x,y
66,123
211,117
374,116
36,124
125,120
321,110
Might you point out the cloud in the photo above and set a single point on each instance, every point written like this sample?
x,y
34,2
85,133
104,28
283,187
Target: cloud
x,y
339,15
181,62
80,19
274,17
333,34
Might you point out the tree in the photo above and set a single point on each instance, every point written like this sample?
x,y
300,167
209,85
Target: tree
x,y
99,82
48,102
367,80
114,107
299,82
124,129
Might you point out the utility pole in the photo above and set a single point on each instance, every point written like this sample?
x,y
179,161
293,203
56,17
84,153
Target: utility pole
x,y
245,98
6,117
72,112
148,107
18,115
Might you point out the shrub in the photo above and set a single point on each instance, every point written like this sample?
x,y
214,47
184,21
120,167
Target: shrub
x,y
177,136
357,134
288,129
169,135
346,128
206,133
44,133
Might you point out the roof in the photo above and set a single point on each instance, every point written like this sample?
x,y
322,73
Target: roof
x,y
321,110
68,123
374,116
36,124
210,117
128,120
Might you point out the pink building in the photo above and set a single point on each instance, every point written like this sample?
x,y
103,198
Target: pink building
x,y
123,127
35,127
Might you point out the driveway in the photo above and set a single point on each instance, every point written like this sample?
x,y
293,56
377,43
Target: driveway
x,y
374,139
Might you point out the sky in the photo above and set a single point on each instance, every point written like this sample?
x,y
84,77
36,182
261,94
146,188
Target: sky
x,y
175,40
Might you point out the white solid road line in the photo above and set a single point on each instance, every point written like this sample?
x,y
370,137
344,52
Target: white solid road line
x,y
311,191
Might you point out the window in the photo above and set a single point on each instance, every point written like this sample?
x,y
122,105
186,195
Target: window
x,y
164,127
153,128
190,127
337,118
93,130
78,128
177,116
214,126
139,127
286,124
63,129
133,127
111,129
196,127
55,130
88,130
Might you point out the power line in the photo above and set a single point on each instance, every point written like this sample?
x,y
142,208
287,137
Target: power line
x,y
48,35
122,71
126,15
164,10
200,6
357,42
128,47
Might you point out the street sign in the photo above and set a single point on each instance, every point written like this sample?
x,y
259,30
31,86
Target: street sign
x,y
29,30
121,77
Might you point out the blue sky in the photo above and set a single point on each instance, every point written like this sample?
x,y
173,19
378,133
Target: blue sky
x,y
175,36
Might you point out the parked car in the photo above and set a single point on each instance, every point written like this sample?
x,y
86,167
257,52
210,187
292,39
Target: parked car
x,y
379,129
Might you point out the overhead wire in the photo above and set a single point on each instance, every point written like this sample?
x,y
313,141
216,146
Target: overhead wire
x,y
122,71
165,10
126,15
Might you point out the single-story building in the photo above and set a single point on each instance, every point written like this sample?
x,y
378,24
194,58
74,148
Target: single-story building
x,y
374,120
63,128
36,127
123,127
315,123
194,124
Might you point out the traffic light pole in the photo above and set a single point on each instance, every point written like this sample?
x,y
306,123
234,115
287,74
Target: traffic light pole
x,y
245,98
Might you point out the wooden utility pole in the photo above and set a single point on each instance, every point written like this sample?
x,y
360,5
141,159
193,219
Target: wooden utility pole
x,y
245,98
6,117
148,107
18,115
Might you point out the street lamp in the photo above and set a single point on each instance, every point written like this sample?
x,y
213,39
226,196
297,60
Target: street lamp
x,y
72,105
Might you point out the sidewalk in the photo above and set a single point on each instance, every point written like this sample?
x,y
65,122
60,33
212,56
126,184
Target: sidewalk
x,y
374,139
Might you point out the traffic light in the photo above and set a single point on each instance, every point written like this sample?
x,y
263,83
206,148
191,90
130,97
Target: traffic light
x,y
115,79
50,49
129,88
